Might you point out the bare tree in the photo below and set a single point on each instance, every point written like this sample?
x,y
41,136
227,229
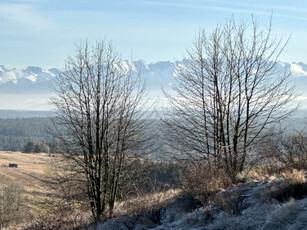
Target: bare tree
x,y
284,149
99,119
226,94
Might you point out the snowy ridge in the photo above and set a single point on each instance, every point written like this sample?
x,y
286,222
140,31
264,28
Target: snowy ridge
x,y
31,73
19,87
297,70
159,70
157,75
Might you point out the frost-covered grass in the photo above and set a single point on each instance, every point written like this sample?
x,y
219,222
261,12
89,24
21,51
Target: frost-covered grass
x,y
249,205
146,202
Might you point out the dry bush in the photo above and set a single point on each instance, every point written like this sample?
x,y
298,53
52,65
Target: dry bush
x,y
58,213
252,174
146,203
282,151
143,176
60,220
294,177
269,167
11,206
229,201
203,182
261,171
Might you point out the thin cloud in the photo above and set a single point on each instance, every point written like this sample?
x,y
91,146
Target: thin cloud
x,y
215,8
229,9
24,15
270,7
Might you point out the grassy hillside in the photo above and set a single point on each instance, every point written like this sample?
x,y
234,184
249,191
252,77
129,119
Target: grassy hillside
x,y
29,174
22,189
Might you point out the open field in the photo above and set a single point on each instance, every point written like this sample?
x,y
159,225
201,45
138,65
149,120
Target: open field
x,y
23,191
30,172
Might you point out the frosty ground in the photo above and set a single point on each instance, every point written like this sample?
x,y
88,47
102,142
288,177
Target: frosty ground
x,y
276,202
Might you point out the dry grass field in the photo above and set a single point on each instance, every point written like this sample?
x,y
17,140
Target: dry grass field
x,y
23,188
30,172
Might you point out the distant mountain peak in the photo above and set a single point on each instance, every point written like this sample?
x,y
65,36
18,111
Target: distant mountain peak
x,y
141,61
3,69
31,73
34,69
298,69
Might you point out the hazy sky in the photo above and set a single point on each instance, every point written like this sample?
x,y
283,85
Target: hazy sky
x,y
43,32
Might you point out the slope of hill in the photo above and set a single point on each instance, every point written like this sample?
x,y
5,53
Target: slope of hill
x,y
273,203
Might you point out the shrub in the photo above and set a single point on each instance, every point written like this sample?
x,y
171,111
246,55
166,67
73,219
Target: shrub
x,y
147,202
203,182
294,177
230,201
31,147
10,206
141,177
283,151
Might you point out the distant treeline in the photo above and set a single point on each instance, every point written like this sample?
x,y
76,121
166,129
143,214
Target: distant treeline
x,y
35,135
16,134
5,114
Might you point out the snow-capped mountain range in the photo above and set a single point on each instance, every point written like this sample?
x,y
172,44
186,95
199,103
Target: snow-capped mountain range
x,y
160,72
29,80
33,74
38,81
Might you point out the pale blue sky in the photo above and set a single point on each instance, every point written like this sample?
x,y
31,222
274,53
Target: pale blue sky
x,y
43,32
